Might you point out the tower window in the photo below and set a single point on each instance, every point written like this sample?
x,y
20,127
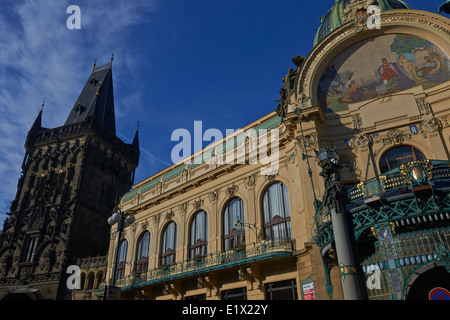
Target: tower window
x,y
30,249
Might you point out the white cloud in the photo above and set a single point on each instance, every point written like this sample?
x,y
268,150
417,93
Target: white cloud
x,y
40,57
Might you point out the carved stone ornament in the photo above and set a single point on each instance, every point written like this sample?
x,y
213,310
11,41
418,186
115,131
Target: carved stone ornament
x,y
184,207
357,122
270,177
214,195
302,100
198,204
396,136
169,215
298,60
230,191
423,106
156,218
311,141
354,7
250,181
362,140
430,125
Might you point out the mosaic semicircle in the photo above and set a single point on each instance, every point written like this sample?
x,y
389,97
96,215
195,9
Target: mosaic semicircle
x,y
381,66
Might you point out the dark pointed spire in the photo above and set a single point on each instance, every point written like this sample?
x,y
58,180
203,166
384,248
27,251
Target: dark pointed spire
x,y
35,128
96,100
135,143
37,124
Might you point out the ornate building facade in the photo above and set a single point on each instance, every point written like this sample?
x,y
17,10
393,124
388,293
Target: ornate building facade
x,y
375,88
71,176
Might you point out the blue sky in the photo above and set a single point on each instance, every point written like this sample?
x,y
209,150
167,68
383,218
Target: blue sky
x,y
175,62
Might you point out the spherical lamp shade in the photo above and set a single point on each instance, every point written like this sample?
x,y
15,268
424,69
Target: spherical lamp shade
x,y
114,218
328,155
129,220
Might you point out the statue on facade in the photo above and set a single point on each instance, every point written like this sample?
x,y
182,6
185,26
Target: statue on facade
x,y
282,106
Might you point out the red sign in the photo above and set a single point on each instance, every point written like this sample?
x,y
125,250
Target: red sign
x,y
439,294
308,291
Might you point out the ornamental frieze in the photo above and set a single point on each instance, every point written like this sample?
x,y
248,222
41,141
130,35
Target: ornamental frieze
x,y
396,136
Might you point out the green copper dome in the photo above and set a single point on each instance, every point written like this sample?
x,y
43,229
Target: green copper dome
x,y
335,16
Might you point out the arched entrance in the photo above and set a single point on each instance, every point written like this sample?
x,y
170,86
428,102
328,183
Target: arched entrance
x,y
424,280
18,297
22,292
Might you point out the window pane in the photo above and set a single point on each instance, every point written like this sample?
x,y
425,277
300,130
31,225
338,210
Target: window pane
x,y
199,234
143,252
123,251
169,245
398,156
235,294
282,290
276,212
234,212
122,259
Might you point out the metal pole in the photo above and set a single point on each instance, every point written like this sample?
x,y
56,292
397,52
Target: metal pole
x,y
116,256
345,256
348,269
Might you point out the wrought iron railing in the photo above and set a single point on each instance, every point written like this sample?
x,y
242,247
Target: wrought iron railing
x,y
403,179
397,187
413,250
242,254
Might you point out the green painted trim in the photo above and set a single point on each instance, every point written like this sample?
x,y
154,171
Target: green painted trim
x,y
200,270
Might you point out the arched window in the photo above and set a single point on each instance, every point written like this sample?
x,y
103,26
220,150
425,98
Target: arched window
x,y
99,280
169,244
233,220
120,273
90,284
277,212
82,281
143,252
198,244
398,156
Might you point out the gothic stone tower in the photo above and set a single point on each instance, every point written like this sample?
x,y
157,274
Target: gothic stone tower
x,y
71,177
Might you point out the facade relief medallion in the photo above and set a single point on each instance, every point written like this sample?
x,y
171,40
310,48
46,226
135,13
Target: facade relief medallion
x,y
430,125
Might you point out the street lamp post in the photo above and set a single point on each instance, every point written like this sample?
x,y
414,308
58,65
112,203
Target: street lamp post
x,y
123,220
333,198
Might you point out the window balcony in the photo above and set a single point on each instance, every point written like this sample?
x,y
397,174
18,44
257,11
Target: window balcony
x,y
240,255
